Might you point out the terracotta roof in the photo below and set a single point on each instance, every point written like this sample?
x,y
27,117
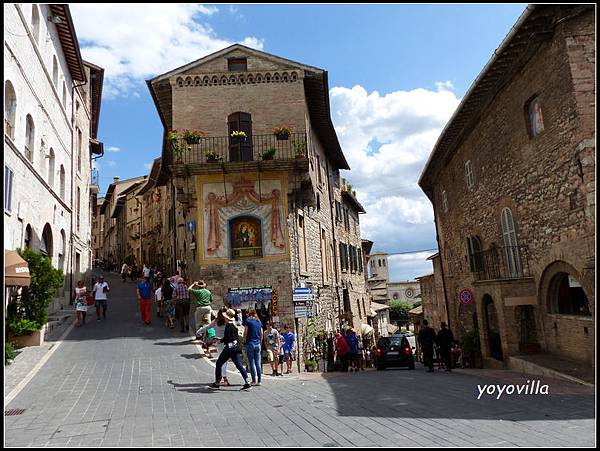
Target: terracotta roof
x,y
534,27
68,41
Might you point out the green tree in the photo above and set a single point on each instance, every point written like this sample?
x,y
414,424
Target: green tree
x,y
45,280
399,311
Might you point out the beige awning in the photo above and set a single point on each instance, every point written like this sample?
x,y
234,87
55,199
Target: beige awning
x,y
365,330
16,270
392,328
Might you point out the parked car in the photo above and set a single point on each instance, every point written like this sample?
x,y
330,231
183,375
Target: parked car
x,y
394,351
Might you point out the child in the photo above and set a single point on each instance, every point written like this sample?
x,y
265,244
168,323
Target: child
x,y
210,339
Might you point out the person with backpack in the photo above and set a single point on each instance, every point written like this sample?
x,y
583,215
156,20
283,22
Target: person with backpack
x,y
343,350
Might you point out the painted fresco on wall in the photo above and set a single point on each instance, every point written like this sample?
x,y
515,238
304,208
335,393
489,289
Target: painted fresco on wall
x,y
243,218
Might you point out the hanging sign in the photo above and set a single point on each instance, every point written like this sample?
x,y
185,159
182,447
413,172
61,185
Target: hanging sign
x,y
466,296
302,294
274,301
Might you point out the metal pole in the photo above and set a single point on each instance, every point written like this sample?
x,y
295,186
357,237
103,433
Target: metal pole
x,y
297,343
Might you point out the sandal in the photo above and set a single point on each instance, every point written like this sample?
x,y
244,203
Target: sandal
x,y
226,382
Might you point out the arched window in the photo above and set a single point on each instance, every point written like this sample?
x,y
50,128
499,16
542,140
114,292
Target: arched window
x,y
534,115
475,253
55,72
46,244
509,236
567,296
469,174
62,182
51,161
35,22
29,138
28,238
10,109
444,201
61,250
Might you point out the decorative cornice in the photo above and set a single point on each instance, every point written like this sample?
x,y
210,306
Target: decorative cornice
x,y
229,78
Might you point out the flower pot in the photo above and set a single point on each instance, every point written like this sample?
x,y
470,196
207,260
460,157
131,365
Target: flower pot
x,y
192,140
238,139
212,160
35,339
282,136
267,157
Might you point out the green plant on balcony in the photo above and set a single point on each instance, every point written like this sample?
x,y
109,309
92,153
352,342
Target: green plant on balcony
x,y
238,134
175,143
192,136
299,149
282,133
213,155
268,154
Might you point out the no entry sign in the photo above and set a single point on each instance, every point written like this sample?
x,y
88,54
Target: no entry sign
x,y
466,296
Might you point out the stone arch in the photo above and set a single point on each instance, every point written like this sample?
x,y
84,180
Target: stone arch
x,y
267,78
562,290
180,82
294,76
259,78
51,162
206,81
28,237
29,138
242,80
188,81
10,108
285,77
232,80
251,79
276,78
47,244
215,80
223,80
197,81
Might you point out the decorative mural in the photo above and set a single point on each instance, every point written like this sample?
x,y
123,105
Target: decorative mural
x,y
242,216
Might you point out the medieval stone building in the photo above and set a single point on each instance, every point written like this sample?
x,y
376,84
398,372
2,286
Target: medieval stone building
x,y
511,179
258,213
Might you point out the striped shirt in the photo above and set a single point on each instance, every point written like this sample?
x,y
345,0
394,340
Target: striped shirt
x,y
181,292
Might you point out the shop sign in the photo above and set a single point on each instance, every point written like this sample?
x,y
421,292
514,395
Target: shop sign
x,y
235,296
274,303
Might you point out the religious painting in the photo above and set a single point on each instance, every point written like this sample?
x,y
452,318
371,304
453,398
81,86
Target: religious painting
x,y
245,237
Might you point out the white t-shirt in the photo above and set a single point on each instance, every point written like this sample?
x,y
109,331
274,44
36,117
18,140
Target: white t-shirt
x,y
124,268
158,294
146,272
98,290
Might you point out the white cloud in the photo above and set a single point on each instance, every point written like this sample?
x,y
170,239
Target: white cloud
x,y
111,163
141,41
114,149
387,140
408,266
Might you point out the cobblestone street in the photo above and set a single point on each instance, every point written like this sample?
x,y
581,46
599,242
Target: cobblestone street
x,y
118,383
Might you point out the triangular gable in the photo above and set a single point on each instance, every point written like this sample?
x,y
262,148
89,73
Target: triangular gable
x,y
233,49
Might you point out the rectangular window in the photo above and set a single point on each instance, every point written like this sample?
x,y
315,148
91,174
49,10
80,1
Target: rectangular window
x,y
77,262
237,65
360,262
8,182
469,174
444,201
319,179
78,200
302,245
324,266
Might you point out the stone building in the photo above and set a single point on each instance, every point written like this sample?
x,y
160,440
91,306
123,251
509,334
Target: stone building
x,y
433,300
404,291
378,277
255,214
97,230
512,183
51,113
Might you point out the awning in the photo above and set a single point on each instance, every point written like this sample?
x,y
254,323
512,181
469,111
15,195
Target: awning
x,y
365,330
392,329
16,270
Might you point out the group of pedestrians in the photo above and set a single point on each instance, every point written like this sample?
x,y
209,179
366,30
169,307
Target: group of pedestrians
x,y
443,341
82,298
349,350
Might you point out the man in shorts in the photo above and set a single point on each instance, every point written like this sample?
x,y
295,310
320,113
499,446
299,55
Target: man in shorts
x,y
100,297
271,339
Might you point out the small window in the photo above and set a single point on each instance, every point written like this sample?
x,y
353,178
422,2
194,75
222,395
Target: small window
x,y
8,183
469,174
534,114
475,253
237,65
444,201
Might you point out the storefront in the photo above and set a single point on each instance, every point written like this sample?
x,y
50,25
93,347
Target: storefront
x,y
262,299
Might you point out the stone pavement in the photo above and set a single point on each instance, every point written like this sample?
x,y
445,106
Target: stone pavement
x,y
120,383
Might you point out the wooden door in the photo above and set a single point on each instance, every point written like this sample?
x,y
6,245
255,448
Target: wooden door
x,y
240,150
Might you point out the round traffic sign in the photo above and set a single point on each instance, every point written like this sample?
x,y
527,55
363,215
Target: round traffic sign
x,y
466,296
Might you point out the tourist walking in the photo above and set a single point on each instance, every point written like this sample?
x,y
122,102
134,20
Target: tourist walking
x,y
288,347
181,296
144,295
271,340
218,325
158,299
343,350
100,291
169,306
426,339
445,340
124,270
231,350
353,345
253,337
80,297
146,271
202,299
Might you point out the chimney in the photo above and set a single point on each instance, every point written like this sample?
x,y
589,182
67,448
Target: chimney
x,y
116,179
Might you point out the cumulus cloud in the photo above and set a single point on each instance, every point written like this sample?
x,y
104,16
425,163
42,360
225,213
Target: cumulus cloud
x,y
387,140
409,266
162,37
114,149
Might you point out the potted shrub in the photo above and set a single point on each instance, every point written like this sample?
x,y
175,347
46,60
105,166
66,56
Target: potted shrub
x,y
471,348
238,136
268,154
192,137
311,366
213,156
282,133
299,149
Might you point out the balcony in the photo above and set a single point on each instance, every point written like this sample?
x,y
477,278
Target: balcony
x,y
244,153
500,263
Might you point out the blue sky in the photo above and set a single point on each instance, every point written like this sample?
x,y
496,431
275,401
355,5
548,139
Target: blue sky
x,y
396,74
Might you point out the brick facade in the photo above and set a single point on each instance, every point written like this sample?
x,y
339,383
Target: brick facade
x,y
547,183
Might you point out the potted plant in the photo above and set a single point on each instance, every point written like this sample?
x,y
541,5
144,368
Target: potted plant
x,y
471,348
238,136
192,137
299,149
213,156
268,154
176,148
311,366
282,133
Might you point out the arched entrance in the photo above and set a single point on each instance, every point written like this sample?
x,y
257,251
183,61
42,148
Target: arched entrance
x,y
492,328
567,297
46,246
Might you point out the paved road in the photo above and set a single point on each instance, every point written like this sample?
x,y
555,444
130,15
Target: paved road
x,y
119,383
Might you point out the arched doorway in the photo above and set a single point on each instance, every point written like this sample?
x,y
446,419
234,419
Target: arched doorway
x,y
567,297
46,244
492,328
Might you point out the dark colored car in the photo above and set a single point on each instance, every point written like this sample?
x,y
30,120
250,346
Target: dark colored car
x,y
394,351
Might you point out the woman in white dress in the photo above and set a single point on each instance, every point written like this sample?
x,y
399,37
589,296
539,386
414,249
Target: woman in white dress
x,y
80,297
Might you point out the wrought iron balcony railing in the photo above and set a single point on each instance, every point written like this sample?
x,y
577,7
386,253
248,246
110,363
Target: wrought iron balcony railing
x,y
210,150
501,262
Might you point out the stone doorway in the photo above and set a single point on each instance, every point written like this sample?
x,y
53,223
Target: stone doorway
x,y
492,328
